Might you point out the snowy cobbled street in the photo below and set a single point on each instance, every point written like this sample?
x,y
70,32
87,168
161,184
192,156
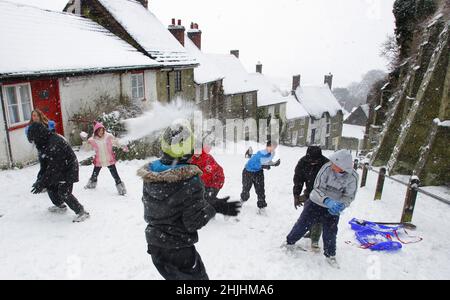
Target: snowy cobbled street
x,y
36,244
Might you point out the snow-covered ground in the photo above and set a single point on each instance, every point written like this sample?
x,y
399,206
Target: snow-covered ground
x,y
111,245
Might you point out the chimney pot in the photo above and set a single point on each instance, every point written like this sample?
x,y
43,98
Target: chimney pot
x,y
179,22
195,35
259,67
328,79
295,83
235,53
173,21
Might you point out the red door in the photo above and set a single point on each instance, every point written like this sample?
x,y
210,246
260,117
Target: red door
x,y
46,98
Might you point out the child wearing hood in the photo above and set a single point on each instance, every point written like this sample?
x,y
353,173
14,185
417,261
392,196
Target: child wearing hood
x,y
334,190
175,207
102,143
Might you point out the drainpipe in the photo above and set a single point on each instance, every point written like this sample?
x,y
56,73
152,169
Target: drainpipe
x,y
168,86
8,140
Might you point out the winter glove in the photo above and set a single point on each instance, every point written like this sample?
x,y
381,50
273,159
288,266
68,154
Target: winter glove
x,y
37,188
277,163
125,149
84,136
299,201
228,208
334,207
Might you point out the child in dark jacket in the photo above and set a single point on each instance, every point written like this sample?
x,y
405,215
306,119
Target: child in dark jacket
x,y
305,175
175,208
253,174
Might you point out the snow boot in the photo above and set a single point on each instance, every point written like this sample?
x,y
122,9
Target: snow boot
x,y
91,185
58,209
315,246
83,215
333,262
121,189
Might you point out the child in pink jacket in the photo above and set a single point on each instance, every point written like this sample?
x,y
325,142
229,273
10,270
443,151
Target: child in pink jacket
x,y
102,143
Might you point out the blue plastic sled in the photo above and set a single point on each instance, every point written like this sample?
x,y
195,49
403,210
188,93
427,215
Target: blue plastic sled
x,y
374,236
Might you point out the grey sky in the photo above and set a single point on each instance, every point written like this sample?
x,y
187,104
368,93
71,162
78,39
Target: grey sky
x,y
307,37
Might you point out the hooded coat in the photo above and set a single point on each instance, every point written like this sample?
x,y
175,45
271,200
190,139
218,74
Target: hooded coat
x,y
103,147
307,169
340,187
174,207
213,176
57,159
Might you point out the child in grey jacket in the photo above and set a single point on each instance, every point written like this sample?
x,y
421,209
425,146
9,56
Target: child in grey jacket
x,y
334,190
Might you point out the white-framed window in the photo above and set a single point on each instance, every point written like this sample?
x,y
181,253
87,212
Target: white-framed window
x,y
248,99
328,128
301,132
302,121
178,81
18,102
205,92
229,104
137,86
291,125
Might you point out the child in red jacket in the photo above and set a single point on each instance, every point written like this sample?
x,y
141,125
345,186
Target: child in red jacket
x,y
213,177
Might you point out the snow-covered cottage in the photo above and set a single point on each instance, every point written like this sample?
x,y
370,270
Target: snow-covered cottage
x,y
325,114
59,62
132,21
272,99
240,94
208,78
358,116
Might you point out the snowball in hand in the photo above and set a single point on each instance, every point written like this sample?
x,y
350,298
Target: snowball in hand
x,y
83,135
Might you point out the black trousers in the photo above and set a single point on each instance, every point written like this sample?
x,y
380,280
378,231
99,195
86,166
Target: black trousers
x,y
255,179
178,264
62,193
112,170
314,214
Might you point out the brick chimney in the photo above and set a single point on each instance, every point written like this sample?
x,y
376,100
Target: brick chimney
x,y
144,3
177,30
259,67
295,83
195,35
329,80
235,53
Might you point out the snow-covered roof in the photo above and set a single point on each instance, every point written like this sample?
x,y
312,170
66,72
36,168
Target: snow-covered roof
x,y
237,80
207,71
145,28
268,92
294,110
36,41
353,131
56,5
318,100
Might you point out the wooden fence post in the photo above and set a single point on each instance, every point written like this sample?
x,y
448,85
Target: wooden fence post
x,y
364,174
410,200
380,184
355,164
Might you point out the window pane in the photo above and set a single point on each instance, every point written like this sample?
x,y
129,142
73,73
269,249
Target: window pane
x,y
133,81
140,80
141,92
134,93
11,95
13,114
25,99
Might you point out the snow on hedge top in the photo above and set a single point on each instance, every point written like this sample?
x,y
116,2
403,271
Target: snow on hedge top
x,y
268,92
237,79
318,100
41,41
207,71
294,110
148,31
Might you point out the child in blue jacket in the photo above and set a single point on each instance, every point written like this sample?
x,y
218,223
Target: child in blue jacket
x,y
253,173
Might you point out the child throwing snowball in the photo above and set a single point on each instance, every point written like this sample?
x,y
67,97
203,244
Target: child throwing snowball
x,y
102,143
